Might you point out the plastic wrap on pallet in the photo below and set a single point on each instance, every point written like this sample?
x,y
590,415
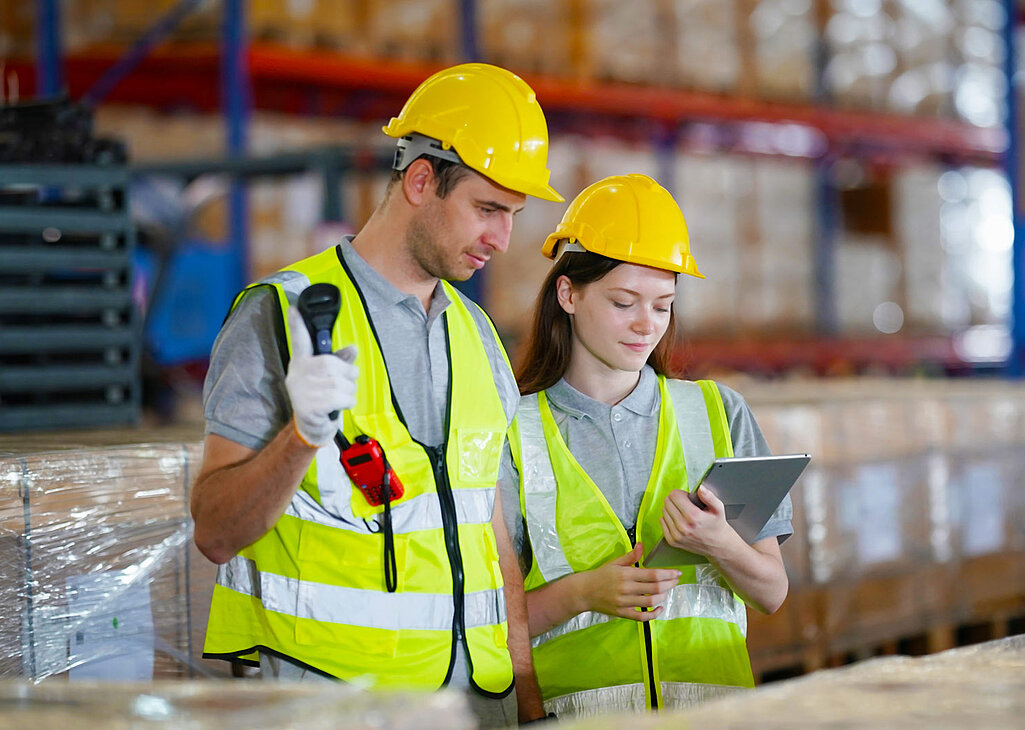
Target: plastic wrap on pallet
x,y
978,686
99,578
225,705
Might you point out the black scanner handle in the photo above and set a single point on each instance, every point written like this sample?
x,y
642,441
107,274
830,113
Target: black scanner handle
x,y
319,306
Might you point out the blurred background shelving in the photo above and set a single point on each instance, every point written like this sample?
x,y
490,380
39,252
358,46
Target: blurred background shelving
x,y
849,170
842,163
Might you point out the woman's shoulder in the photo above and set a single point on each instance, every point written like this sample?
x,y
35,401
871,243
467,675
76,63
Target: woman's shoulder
x,y
733,402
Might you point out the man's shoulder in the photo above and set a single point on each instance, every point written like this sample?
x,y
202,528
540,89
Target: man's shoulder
x,y
481,318
502,372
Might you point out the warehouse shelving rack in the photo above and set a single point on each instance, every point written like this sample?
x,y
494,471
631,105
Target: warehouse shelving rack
x,y
312,82
69,339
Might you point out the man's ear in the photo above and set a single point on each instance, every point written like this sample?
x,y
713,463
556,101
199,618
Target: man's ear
x,y
418,182
565,294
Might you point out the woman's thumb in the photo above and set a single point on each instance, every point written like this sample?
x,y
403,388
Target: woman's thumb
x,y
631,557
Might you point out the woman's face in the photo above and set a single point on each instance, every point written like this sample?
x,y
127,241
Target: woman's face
x,y
619,319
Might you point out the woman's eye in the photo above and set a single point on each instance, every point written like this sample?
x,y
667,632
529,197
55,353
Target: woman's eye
x,y
620,305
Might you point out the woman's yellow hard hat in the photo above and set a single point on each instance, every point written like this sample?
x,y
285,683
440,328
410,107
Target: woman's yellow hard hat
x,y
629,218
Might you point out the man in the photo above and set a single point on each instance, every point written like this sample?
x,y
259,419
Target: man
x,y
315,580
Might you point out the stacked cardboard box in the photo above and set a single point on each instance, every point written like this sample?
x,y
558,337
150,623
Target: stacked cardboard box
x,y
911,514
336,24
706,45
778,50
529,36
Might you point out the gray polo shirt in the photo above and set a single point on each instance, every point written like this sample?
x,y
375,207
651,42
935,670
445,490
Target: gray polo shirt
x,y
615,446
244,396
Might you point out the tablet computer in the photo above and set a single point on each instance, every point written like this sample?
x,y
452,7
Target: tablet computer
x,y
750,487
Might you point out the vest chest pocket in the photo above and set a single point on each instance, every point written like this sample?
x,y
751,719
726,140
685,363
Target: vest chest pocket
x,y
478,452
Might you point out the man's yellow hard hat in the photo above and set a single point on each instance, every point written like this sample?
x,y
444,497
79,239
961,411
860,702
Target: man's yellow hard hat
x,y
628,218
490,117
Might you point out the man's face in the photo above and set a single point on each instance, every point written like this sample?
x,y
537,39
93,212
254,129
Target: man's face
x,y
452,237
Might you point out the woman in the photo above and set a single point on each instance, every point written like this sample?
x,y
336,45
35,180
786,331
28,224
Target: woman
x,y
603,451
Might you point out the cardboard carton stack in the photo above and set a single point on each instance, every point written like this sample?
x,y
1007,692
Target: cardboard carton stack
x,y
910,516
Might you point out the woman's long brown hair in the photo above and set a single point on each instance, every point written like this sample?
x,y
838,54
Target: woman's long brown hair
x,y
547,352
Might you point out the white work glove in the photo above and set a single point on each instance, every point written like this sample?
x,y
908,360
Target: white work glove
x,y
318,384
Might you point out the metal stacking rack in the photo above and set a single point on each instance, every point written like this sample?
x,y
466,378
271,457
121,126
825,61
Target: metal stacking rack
x,y
69,331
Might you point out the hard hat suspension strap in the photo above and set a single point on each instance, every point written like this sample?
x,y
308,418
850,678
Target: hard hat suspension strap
x,y
414,145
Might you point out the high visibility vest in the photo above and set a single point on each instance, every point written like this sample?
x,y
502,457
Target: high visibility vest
x,y
595,663
313,588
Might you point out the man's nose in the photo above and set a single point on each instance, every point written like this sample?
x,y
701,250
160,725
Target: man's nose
x,y
499,232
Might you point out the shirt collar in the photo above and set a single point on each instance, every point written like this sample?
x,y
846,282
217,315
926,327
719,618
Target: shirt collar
x,y
378,292
643,400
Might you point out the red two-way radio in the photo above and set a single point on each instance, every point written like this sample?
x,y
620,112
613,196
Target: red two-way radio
x,y
369,470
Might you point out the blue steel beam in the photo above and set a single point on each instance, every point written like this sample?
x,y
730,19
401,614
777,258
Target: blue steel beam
x,y
49,67
476,286
827,205
235,98
468,30
1015,366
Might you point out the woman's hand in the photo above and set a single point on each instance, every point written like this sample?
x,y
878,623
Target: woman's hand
x,y
687,526
755,572
618,588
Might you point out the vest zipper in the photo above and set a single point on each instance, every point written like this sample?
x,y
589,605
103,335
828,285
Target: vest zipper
x,y
651,669
648,652
450,526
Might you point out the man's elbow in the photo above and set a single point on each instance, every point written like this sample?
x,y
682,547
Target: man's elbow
x,y
212,549
773,603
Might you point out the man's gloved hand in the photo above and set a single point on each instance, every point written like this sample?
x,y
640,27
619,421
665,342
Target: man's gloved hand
x,y
318,385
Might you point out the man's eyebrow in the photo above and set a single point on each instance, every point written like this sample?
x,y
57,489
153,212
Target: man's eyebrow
x,y
498,206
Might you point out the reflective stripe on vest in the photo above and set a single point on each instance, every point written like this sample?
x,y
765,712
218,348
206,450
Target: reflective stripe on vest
x,y
692,427
473,507
540,492
355,607
631,698
706,599
312,588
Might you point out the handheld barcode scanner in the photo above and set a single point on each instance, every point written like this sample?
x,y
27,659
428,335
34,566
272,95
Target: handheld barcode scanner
x,y
319,306
364,461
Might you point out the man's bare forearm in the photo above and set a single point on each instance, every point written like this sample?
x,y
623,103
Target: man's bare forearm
x,y
528,694
240,493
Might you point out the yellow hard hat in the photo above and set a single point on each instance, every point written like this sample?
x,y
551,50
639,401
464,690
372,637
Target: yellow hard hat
x,y
628,218
490,117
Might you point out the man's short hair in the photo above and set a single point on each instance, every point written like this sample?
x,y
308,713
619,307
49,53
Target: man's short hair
x,y
448,174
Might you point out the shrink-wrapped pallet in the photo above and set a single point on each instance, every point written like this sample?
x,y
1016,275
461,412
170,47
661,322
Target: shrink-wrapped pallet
x,y
100,576
225,705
